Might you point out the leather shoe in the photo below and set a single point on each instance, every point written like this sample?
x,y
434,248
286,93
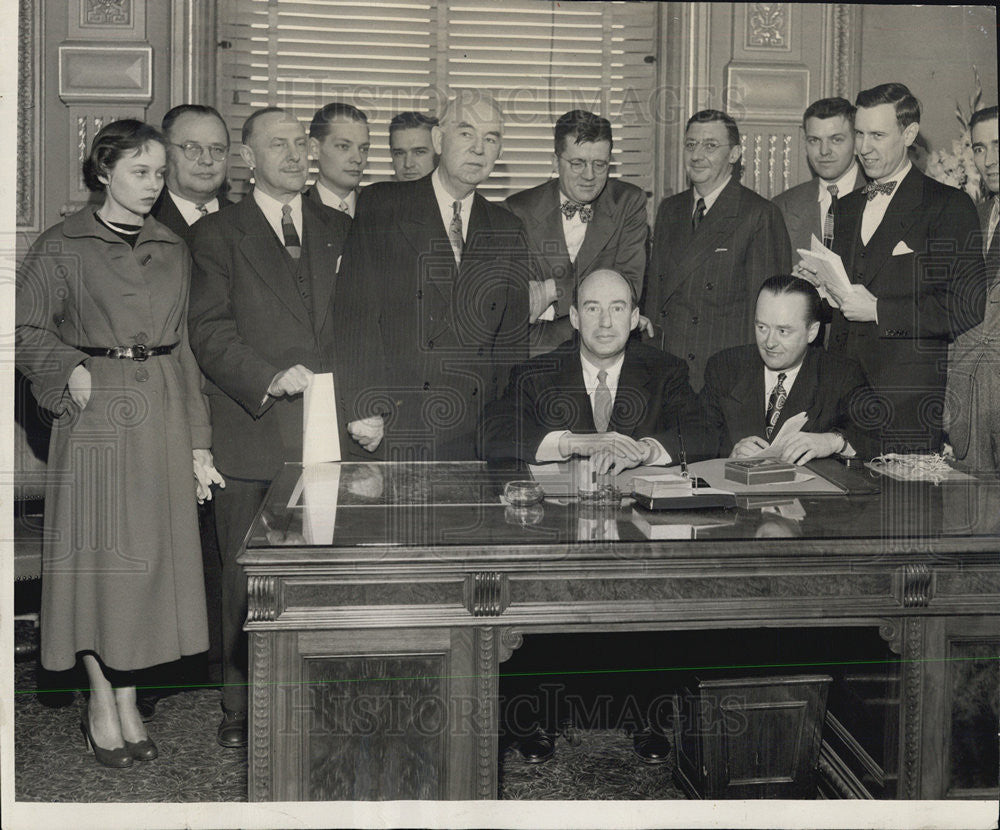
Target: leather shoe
x,y
233,729
144,750
537,748
650,746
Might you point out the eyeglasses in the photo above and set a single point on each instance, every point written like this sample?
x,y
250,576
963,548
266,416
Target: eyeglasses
x,y
709,146
577,165
192,150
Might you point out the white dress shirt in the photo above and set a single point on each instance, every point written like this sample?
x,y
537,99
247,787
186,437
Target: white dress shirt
x,y
845,184
875,208
709,199
445,201
271,208
574,230
331,199
771,380
548,449
189,210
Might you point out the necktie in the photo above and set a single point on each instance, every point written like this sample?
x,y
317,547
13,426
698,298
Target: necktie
x,y
202,210
602,402
292,243
828,219
455,230
569,209
774,404
994,221
699,214
874,188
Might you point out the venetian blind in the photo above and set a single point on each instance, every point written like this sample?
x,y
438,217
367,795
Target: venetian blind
x,y
538,59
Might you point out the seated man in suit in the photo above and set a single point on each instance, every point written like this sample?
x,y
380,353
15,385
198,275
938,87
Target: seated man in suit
x,y
713,244
410,145
577,223
808,208
599,394
338,140
751,391
197,160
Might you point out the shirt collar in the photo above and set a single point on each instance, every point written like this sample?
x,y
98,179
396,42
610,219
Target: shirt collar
x,y
445,200
711,197
331,199
771,377
590,373
845,184
899,176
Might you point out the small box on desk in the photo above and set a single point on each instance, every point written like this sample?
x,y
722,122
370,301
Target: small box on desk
x,y
759,471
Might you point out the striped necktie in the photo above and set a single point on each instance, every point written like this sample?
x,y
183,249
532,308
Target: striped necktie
x,y
292,243
828,219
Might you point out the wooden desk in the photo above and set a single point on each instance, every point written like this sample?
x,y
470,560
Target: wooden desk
x,y
377,628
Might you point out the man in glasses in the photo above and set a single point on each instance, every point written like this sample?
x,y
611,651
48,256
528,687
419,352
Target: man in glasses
x,y
713,245
197,161
578,223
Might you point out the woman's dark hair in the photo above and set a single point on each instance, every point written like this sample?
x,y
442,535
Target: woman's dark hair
x,y
114,141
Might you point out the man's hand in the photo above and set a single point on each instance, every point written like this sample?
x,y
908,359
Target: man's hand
x,y
646,326
613,448
858,305
290,382
540,297
746,447
79,385
805,446
809,275
368,432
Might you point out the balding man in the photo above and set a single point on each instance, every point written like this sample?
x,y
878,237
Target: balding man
x,y
260,326
432,299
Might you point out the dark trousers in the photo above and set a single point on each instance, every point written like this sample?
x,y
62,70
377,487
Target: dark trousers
x,y
235,506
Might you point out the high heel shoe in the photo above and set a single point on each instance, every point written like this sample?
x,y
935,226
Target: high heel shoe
x,y
118,758
144,750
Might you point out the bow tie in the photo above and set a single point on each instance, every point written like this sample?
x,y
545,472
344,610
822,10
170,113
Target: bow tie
x,y
873,189
569,208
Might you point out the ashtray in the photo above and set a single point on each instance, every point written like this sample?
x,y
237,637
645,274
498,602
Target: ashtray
x,y
522,493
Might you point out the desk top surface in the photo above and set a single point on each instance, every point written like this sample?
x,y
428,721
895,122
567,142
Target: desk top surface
x,y
366,511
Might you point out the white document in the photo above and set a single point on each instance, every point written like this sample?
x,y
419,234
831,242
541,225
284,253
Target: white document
x,y
320,488
792,427
320,430
831,276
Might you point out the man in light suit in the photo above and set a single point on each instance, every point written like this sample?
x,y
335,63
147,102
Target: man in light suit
x,y
260,326
577,223
751,391
197,160
911,248
552,409
713,245
974,360
432,300
808,209
338,140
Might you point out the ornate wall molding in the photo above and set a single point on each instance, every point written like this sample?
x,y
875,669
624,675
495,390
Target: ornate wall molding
x,y
260,720
29,146
487,593
486,679
768,27
192,58
913,688
262,602
913,586
107,19
845,25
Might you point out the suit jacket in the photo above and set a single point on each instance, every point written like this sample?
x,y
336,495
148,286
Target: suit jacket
x,y
800,210
616,238
423,342
248,321
166,212
702,285
929,290
974,366
547,393
827,388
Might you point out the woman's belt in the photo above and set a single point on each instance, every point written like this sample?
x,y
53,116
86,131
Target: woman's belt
x,y
138,352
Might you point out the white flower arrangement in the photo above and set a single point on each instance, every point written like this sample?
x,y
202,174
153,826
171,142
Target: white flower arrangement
x,y
957,167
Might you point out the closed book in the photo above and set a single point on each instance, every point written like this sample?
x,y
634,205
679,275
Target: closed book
x,y
759,471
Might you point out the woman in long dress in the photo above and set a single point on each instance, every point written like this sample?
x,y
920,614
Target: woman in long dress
x,y
102,336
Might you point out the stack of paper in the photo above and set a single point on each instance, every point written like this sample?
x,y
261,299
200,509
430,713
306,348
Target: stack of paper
x,y
830,276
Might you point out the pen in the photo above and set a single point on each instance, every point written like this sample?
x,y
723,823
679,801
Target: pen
x,y
684,461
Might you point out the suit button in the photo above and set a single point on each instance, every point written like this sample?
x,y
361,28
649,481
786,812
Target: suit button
x,y
690,356
420,295
141,375
475,389
427,385
480,351
694,321
430,344
663,313
141,337
709,286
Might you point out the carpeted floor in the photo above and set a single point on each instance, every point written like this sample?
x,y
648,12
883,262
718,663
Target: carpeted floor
x,y
53,764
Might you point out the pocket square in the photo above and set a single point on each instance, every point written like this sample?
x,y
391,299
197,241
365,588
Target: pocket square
x,y
337,266
901,248
721,250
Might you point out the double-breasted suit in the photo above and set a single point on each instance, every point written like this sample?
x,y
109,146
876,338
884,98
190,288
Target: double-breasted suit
x,y
422,341
828,388
616,238
973,409
547,393
924,265
702,284
800,208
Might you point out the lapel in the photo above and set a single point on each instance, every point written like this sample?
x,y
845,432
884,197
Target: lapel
x,y
633,396
548,220
899,217
748,392
263,253
599,230
715,230
803,394
479,234
570,377
166,212
318,257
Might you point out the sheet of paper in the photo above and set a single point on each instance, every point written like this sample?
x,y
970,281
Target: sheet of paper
x,y
320,430
792,427
320,488
831,276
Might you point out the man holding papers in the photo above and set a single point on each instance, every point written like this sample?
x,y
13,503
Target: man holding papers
x,y
909,246
780,396
599,395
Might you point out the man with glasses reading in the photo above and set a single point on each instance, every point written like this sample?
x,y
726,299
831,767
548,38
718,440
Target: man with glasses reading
x,y
579,222
713,245
197,161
